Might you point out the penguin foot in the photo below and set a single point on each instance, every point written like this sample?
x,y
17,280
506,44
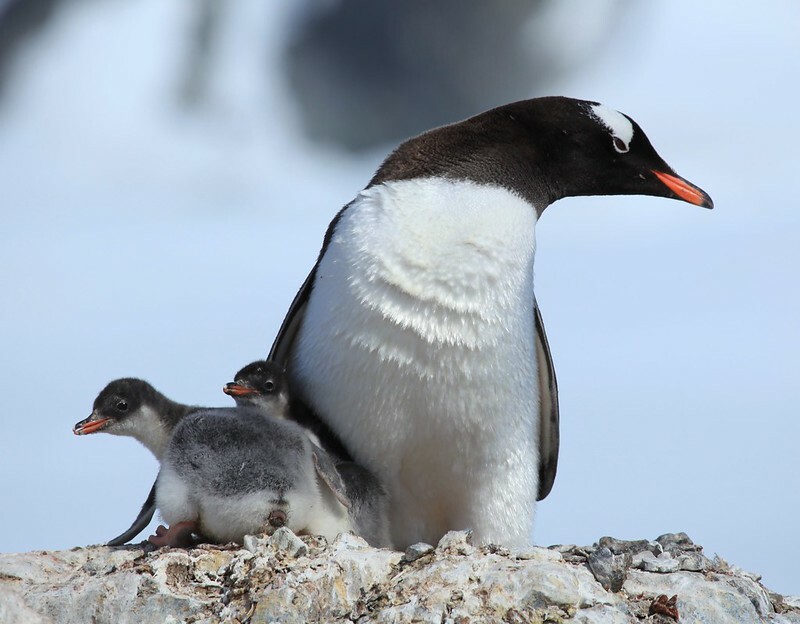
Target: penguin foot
x,y
277,518
178,535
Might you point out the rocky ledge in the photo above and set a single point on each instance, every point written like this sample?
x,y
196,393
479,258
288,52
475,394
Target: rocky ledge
x,y
284,578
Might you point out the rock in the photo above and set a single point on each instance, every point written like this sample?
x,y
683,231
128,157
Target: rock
x,y
13,609
648,561
536,553
609,570
751,590
456,542
700,599
286,578
620,547
602,615
739,571
676,543
694,562
415,551
256,544
572,553
284,540
349,541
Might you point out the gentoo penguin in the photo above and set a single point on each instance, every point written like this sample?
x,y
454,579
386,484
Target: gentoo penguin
x,y
353,485
132,407
254,385
417,339
230,472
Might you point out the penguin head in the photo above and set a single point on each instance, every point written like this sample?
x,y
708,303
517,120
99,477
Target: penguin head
x,y
262,384
600,151
117,408
544,149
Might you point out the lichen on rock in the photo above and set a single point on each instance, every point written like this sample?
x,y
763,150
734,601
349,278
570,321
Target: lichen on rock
x,y
289,579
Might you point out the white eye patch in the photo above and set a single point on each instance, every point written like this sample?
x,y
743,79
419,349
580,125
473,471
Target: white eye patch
x,y
618,125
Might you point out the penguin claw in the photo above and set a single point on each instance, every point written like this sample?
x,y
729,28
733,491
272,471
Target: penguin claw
x,y
178,535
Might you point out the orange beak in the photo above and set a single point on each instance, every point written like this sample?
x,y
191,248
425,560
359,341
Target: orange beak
x,y
237,390
90,426
684,190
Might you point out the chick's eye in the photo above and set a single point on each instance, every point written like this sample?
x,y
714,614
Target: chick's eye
x,y
620,145
122,405
269,386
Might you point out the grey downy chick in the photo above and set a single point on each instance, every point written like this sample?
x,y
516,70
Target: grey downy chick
x,y
227,473
352,485
132,407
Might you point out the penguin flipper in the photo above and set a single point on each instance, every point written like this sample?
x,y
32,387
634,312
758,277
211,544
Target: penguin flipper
x,y
142,520
282,346
281,353
326,469
284,342
369,513
548,410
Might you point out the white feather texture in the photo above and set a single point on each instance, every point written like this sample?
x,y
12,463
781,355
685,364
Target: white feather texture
x,y
146,427
309,506
417,346
617,123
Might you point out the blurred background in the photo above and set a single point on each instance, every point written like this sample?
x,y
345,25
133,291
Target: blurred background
x,y
168,169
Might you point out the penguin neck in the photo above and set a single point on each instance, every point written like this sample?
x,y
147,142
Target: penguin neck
x,y
152,426
171,413
268,406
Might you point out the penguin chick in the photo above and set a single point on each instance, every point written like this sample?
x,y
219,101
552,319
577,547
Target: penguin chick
x,y
260,384
353,485
253,386
132,407
227,473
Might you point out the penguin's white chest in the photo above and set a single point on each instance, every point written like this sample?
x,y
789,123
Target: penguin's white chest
x,y
417,347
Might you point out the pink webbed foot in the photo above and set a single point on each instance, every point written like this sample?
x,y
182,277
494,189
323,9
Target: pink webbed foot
x,y
178,535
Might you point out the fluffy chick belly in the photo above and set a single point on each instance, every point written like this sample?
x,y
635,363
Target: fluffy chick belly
x,y
230,518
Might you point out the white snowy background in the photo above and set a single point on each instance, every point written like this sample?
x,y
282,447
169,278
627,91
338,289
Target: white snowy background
x,y
137,240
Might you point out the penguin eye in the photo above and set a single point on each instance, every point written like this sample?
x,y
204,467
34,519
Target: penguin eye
x,y
620,145
122,405
269,386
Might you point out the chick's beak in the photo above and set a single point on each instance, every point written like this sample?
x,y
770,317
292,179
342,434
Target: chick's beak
x,y
91,424
237,390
